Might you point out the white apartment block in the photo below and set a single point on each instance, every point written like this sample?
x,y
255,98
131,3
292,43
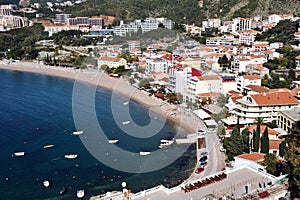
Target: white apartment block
x,y
10,21
245,80
225,40
247,36
297,61
266,105
158,65
178,78
211,23
142,25
241,24
62,18
6,10
287,118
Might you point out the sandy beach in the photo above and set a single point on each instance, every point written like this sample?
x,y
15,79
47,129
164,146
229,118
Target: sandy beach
x,y
117,85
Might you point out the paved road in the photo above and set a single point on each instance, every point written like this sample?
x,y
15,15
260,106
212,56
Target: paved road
x,y
216,159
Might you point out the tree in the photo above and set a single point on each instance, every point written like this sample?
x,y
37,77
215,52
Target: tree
x,y
246,139
235,144
265,142
271,162
282,148
224,62
293,161
256,135
221,130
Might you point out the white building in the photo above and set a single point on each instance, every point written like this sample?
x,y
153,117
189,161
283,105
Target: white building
x,y
178,78
265,105
247,36
225,40
245,80
62,18
111,62
158,65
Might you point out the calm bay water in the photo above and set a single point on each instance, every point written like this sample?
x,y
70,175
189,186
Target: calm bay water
x,y
36,110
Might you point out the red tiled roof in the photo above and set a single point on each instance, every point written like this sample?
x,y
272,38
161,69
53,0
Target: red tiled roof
x,y
252,128
209,94
210,77
251,77
274,144
298,57
234,98
257,88
274,98
233,93
252,156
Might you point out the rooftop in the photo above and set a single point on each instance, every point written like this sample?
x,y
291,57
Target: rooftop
x,y
294,113
251,77
262,129
252,156
257,88
275,98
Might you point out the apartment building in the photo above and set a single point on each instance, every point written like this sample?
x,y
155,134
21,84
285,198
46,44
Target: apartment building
x,y
158,65
265,105
178,78
62,18
297,62
225,40
286,119
111,62
245,80
247,36
6,10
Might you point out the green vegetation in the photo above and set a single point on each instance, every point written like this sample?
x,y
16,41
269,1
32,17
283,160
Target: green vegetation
x,y
20,43
282,32
293,161
271,162
74,38
265,142
235,144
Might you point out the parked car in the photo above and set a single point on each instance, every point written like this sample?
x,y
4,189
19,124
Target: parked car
x,y
201,132
204,163
199,170
204,153
203,158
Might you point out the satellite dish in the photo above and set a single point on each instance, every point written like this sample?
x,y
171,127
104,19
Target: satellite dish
x,y
124,184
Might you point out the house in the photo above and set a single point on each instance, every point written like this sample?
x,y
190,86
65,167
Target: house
x,y
265,105
253,160
255,89
286,119
245,80
111,62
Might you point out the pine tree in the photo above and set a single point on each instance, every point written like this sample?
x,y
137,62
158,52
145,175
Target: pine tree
x,y
246,139
265,142
235,144
293,161
256,135
282,148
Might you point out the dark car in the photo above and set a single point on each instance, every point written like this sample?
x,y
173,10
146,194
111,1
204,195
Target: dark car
x,y
203,158
203,163
204,153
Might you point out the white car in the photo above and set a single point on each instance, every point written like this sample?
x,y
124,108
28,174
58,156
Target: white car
x,y
201,132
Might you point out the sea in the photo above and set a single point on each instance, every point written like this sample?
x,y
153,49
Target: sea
x,y
36,110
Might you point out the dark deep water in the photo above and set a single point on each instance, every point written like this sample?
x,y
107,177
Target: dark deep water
x,y
36,110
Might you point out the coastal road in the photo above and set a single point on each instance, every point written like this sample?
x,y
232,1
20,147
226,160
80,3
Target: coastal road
x,y
216,158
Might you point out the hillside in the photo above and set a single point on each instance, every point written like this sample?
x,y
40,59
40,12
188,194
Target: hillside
x,y
190,11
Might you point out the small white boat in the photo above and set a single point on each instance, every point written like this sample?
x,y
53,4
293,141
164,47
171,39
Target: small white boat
x,y
144,153
19,154
126,103
48,146
71,156
80,193
126,122
77,132
165,143
46,183
113,141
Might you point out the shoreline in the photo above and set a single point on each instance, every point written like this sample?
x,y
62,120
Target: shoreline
x,y
115,85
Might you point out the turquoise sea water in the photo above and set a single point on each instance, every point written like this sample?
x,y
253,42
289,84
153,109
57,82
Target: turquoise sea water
x,y
36,110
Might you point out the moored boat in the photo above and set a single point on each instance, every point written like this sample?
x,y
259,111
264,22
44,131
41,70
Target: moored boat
x,y
63,191
145,153
77,132
80,193
71,156
19,154
165,143
126,122
46,183
126,103
48,146
113,141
